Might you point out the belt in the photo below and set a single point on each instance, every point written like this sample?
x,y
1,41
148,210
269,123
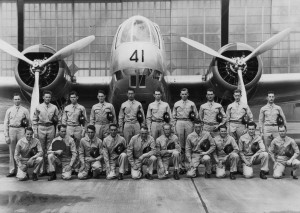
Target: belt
x,y
73,125
46,124
271,125
210,123
183,119
157,121
131,122
14,126
236,122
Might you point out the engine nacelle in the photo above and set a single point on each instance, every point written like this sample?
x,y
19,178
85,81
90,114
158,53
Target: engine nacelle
x,y
224,78
53,76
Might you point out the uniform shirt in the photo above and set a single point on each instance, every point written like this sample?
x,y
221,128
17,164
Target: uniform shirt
x,y
162,143
278,146
269,113
13,117
72,113
208,112
109,145
136,146
193,142
221,143
245,143
85,146
71,152
23,148
236,110
156,111
128,112
99,113
44,113
182,109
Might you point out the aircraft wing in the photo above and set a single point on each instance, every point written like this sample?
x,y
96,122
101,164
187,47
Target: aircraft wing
x,y
194,83
8,86
286,87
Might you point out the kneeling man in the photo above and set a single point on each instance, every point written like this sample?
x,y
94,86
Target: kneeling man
x,y
28,154
141,151
252,152
284,152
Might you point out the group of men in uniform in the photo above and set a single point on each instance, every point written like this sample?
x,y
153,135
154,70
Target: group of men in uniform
x,y
183,137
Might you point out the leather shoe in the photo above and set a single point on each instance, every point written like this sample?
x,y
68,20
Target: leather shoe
x,y
154,171
52,176
127,173
182,171
120,176
294,176
11,175
232,176
175,175
34,177
148,176
206,175
43,174
263,175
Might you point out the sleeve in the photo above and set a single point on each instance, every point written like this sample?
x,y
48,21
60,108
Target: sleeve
x,y
234,145
261,144
249,113
148,118
130,152
64,117
271,150
124,142
121,116
73,151
17,154
261,119
39,148
283,116
158,149
188,150
100,148
153,147
6,123
50,147
201,113
92,116
113,111
105,154
81,151
212,145
241,149
296,150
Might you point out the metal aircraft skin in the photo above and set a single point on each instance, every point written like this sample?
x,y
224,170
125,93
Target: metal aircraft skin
x,y
138,61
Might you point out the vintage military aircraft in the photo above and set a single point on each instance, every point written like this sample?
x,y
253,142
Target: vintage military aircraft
x,y
138,61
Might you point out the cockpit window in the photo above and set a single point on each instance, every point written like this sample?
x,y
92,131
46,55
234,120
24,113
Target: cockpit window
x,y
141,31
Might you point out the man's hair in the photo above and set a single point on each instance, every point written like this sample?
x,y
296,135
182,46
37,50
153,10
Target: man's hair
x,y
144,127
16,94
47,92
282,126
166,124
115,125
237,91
28,129
198,121
157,90
270,92
91,127
210,90
184,90
73,93
101,91
252,124
222,127
61,126
130,89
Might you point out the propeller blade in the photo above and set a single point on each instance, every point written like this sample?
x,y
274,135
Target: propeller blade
x,y
69,50
6,47
205,49
35,96
241,86
268,44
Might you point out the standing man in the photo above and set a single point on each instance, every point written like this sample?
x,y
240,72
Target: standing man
x,y
28,154
90,164
66,159
70,118
284,152
250,155
114,151
167,146
14,130
155,114
183,123
195,155
43,125
208,114
268,115
234,114
128,123
138,155
99,116
221,157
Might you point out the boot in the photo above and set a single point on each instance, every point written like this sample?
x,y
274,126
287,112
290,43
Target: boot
x,y
120,176
263,175
52,176
148,176
232,176
11,175
34,177
175,175
182,171
293,173
206,175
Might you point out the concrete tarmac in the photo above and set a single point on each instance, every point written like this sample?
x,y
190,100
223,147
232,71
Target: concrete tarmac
x,y
186,195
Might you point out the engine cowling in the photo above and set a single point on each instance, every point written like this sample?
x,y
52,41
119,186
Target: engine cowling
x,y
224,78
53,76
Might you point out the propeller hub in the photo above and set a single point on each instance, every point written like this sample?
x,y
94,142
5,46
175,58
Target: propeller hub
x,y
239,64
37,68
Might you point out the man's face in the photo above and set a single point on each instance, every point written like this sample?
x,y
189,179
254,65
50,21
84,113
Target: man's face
x,y
282,132
144,134
29,135
223,132
271,98
130,95
198,128
47,98
251,130
73,99
167,130
17,100
90,133
157,96
210,96
237,96
113,131
62,132
101,97
184,95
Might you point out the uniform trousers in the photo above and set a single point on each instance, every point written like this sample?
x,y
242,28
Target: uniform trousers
x,y
29,163
149,162
196,160
63,162
260,158
281,163
15,134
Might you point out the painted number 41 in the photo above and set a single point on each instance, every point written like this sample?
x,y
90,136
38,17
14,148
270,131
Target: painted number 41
x,y
135,56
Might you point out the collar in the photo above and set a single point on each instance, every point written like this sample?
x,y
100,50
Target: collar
x,y
200,135
157,101
17,107
211,102
46,104
74,105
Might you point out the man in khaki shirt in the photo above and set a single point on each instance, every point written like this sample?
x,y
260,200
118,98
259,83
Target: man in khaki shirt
x,y
155,114
43,126
98,116
13,130
249,157
26,158
165,152
182,122
268,114
137,156
280,157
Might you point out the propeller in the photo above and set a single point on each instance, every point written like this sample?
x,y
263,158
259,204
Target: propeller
x,y
35,96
